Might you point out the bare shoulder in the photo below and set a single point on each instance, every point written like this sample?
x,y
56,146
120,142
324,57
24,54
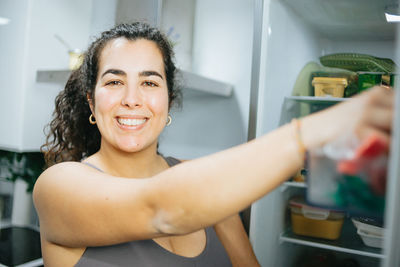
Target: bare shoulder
x,y
64,168
59,175
72,198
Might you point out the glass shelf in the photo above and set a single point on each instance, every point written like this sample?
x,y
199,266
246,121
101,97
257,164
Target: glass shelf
x,y
287,185
316,99
348,242
295,184
190,80
299,106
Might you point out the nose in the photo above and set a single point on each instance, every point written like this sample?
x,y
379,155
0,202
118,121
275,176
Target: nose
x,y
132,97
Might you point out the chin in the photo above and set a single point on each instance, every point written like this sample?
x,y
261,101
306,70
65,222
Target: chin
x,y
131,146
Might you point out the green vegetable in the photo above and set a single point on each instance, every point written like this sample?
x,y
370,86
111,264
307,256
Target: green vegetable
x,y
358,62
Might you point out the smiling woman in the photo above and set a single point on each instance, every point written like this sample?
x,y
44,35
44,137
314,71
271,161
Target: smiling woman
x,y
109,117
110,199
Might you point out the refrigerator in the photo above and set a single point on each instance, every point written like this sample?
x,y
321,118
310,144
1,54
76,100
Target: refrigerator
x,y
288,34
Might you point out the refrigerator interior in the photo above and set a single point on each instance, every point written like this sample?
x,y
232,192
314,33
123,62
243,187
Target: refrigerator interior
x,y
296,32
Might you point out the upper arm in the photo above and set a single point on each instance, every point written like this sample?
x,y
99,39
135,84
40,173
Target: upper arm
x,y
234,238
79,206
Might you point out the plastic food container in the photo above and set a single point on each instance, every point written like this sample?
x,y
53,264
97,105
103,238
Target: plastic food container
x,y
370,240
371,235
368,228
315,222
329,86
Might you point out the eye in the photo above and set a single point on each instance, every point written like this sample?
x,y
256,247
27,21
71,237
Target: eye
x,y
151,84
113,83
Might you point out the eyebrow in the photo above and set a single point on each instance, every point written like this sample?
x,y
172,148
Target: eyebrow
x,y
150,73
144,73
115,72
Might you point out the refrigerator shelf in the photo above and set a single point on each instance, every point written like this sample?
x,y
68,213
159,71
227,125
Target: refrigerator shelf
x,y
287,185
316,99
348,242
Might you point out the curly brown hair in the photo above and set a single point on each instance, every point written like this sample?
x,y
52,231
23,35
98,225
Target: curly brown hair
x,y
70,136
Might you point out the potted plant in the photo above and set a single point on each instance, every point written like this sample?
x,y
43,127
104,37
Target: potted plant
x,y
22,169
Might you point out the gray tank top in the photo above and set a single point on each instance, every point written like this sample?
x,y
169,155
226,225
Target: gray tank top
x,y
147,253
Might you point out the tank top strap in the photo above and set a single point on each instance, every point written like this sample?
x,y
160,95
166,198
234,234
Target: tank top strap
x,y
93,166
172,161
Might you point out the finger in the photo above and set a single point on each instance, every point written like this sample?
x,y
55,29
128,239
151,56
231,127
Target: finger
x,y
382,96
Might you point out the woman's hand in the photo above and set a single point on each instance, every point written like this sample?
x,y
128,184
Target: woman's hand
x,y
370,113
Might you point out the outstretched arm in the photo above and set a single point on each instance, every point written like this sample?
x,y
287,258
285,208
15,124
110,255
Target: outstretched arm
x,y
81,207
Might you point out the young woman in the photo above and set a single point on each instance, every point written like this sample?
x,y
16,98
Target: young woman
x,y
112,200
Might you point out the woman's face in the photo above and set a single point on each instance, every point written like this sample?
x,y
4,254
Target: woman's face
x,y
131,95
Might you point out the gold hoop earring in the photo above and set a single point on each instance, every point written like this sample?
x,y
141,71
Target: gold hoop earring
x,y
92,120
169,120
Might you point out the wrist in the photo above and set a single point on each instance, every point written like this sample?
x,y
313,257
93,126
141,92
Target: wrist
x,y
298,135
316,130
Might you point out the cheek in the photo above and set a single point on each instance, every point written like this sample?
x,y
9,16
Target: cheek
x,y
104,100
159,103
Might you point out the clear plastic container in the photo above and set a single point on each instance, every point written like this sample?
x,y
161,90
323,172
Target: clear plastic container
x,y
368,228
349,176
370,240
315,222
329,86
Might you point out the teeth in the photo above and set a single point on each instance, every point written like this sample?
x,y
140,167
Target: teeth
x,y
131,122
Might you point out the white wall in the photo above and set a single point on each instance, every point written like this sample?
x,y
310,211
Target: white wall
x,y
133,10
222,49
103,16
29,44
12,53
223,39
72,21
177,22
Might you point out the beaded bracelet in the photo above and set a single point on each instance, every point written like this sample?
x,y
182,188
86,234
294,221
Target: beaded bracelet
x,y
302,147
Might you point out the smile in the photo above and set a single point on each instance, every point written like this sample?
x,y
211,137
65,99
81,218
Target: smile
x,y
131,122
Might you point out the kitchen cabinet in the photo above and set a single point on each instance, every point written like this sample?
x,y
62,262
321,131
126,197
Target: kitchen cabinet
x,y
290,34
29,43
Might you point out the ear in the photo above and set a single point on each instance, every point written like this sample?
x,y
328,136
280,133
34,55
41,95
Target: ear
x,y
90,101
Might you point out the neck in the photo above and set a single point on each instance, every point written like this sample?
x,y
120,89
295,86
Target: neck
x,y
141,164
